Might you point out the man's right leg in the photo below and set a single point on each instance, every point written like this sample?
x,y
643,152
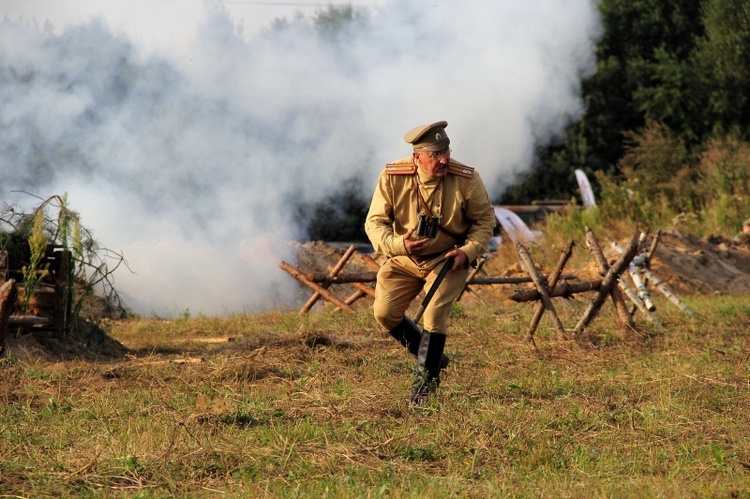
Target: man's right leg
x,y
396,288
409,335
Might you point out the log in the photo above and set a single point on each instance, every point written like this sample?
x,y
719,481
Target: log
x,y
617,298
634,297
332,274
666,292
608,283
301,278
552,282
362,291
528,264
364,288
511,280
342,278
562,290
29,321
351,277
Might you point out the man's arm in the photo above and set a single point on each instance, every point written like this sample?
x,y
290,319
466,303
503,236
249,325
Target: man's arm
x,y
379,222
479,209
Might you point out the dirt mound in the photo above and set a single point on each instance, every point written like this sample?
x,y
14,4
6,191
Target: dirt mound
x,y
707,265
88,341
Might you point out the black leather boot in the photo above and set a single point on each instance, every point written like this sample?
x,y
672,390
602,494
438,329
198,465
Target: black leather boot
x,y
409,335
427,378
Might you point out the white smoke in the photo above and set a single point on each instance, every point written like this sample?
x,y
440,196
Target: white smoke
x,y
190,159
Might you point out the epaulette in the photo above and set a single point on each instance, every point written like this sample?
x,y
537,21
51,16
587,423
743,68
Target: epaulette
x,y
460,169
403,166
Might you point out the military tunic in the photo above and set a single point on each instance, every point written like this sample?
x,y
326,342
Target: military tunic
x,y
461,202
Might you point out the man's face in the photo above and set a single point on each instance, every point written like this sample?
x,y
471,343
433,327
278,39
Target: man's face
x,y
434,164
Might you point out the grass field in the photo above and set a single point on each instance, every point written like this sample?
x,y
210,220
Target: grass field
x,y
282,405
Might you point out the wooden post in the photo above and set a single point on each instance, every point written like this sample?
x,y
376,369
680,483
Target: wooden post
x,y
301,278
608,283
551,283
615,293
536,277
332,273
8,295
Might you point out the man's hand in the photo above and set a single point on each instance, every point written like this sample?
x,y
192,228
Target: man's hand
x,y
459,258
415,247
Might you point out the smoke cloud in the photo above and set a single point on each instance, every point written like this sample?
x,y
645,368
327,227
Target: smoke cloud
x,y
190,159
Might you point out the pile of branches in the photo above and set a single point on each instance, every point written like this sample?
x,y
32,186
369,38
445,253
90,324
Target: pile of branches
x,y
51,224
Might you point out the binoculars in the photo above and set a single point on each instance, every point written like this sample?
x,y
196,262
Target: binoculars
x,y
428,226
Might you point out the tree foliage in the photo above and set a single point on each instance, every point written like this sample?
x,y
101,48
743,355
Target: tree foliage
x,y
684,65
672,87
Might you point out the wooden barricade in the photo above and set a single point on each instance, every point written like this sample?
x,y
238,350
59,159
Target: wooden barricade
x,y
612,285
321,283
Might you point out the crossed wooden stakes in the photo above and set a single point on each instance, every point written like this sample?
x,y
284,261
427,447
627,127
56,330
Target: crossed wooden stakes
x,y
546,288
612,285
320,282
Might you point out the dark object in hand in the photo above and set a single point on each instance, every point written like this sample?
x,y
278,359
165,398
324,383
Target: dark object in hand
x,y
428,226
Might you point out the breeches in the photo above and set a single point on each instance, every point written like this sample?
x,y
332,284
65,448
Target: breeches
x,y
400,280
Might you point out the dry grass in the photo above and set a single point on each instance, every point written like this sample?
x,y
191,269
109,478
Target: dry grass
x,y
279,405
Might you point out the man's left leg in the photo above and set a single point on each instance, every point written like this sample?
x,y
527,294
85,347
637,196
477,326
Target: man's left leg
x,y
431,347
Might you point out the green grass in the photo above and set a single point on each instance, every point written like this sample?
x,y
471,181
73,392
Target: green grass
x,y
279,405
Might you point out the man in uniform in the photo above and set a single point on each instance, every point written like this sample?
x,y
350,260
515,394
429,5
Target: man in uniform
x,y
457,222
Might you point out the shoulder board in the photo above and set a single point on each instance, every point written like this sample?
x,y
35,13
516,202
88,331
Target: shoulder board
x,y
403,166
460,169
